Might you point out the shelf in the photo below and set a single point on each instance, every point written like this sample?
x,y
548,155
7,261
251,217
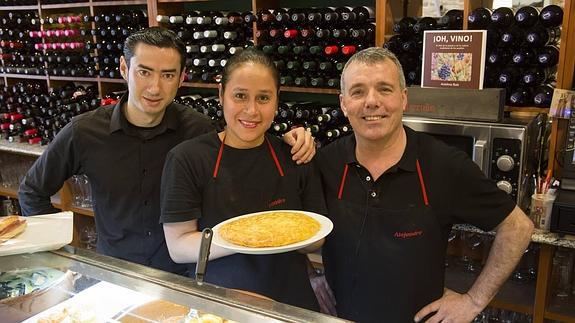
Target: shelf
x,y
65,5
564,312
513,296
118,3
559,317
81,210
538,236
308,90
109,80
526,109
8,192
201,85
13,8
172,1
71,78
55,200
21,148
25,76
64,78
283,88
93,4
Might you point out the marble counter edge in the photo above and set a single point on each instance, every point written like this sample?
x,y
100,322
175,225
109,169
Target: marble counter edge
x,y
21,148
539,236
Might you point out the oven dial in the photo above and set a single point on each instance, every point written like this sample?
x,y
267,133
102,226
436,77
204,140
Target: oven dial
x,y
505,163
505,186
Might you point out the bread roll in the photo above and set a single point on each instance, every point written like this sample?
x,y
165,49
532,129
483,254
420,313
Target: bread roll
x,y
11,226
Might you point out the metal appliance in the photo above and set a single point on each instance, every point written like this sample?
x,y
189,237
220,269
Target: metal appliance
x,y
508,152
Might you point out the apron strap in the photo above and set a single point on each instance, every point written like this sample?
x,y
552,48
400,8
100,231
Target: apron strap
x,y
422,183
217,166
272,151
342,184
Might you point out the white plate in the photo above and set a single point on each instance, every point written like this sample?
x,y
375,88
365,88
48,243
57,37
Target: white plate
x,y
44,232
325,228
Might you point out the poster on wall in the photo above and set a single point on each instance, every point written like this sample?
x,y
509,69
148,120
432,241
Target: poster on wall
x,y
453,59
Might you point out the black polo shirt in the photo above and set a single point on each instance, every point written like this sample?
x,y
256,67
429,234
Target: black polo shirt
x,y
124,164
455,184
457,192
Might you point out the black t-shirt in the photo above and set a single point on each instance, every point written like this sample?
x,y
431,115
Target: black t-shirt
x,y
124,164
247,181
190,166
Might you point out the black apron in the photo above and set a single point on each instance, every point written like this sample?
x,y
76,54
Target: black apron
x,y
282,277
384,264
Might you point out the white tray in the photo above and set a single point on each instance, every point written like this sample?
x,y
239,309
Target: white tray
x,y
44,232
102,302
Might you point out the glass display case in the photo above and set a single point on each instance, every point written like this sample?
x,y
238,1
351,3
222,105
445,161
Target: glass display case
x,y
76,285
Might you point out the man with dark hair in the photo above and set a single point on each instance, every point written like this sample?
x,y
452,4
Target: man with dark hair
x,y
122,149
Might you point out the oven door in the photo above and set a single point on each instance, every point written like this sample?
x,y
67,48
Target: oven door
x,y
471,137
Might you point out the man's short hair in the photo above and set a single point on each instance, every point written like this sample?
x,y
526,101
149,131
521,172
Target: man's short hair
x,y
372,56
155,36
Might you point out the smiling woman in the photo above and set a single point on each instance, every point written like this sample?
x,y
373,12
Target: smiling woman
x,y
249,108
241,170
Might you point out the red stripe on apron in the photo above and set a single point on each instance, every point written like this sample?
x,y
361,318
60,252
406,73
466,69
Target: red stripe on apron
x,y
272,152
419,174
422,183
342,184
217,167
279,167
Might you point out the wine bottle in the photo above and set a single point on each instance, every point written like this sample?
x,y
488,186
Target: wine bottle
x,y
425,23
479,18
526,17
452,20
502,18
551,16
537,76
548,56
521,96
317,15
364,14
499,57
525,56
542,95
511,37
539,36
404,26
508,78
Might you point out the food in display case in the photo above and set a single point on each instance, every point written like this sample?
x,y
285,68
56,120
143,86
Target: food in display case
x,y
79,286
72,315
25,292
167,312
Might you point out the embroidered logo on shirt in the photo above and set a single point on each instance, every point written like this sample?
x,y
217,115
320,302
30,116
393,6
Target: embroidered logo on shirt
x,y
277,202
408,234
